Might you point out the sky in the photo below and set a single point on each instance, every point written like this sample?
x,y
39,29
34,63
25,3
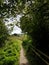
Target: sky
x,y
16,30
12,20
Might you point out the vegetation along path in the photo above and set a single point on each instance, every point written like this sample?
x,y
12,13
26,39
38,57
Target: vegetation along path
x,y
23,59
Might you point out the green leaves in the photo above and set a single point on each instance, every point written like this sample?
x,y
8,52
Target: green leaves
x,y
3,33
36,23
10,53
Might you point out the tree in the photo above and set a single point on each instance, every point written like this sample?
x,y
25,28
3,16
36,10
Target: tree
x,y
3,33
36,23
8,8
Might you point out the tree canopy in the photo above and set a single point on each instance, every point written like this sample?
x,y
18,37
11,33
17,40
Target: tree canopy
x,y
36,22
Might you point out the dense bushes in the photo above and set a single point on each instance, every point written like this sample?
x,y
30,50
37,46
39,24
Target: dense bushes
x,y
27,44
9,55
31,56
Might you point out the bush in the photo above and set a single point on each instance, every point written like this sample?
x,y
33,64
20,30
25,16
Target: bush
x,y
31,56
10,53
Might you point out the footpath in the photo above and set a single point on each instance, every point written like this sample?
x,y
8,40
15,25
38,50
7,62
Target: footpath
x,y
23,59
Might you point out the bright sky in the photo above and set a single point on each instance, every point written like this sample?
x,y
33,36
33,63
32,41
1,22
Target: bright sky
x,y
16,29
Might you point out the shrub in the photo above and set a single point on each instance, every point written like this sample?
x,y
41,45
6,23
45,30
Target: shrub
x,y
32,58
10,53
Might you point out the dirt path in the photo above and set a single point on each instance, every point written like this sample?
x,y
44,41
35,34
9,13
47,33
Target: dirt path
x,y
23,59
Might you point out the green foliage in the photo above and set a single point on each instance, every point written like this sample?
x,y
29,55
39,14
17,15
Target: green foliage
x,y
36,23
27,45
29,53
10,53
3,33
26,24
9,8
27,42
